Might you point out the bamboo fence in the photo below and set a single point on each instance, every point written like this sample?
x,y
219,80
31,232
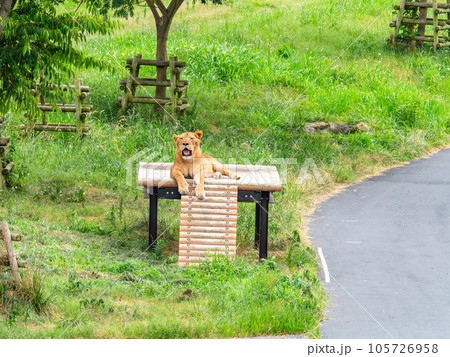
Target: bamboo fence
x,y
422,21
177,86
80,109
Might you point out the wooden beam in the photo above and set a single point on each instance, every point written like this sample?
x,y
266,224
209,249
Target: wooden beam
x,y
152,82
8,168
146,62
64,108
4,148
10,251
4,141
62,128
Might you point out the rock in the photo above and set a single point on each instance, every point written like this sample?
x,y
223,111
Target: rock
x,y
335,128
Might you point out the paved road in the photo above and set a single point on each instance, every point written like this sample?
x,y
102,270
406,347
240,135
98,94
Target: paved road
x,y
386,242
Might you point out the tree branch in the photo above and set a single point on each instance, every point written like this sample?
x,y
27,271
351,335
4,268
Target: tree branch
x,y
161,7
78,6
152,7
173,7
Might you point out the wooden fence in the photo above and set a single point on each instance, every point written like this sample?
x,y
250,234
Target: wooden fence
x,y
7,255
5,165
80,109
177,86
415,25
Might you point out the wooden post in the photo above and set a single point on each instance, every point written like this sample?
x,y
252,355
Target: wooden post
x,y
399,21
2,179
10,251
435,25
130,88
423,15
412,28
173,83
135,67
78,108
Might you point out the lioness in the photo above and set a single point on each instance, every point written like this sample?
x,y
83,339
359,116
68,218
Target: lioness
x,y
190,162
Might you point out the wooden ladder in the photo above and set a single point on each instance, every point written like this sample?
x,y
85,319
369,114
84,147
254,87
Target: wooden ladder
x,y
208,227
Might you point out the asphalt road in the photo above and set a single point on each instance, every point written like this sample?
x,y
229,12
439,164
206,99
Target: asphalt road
x,y
386,243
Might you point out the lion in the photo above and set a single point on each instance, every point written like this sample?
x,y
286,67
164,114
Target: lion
x,y
190,162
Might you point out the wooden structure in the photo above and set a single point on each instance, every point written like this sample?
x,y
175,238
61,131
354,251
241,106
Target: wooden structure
x,y
7,255
80,109
208,216
208,226
177,87
5,165
422,21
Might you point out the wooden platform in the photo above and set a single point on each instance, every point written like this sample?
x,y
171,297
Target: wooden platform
x,y
255,185
253,178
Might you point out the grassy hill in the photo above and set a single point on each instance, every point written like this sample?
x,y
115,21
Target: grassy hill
x,y
258,71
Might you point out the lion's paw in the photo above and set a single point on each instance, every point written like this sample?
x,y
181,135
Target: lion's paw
x,y
217,175
183,191
200,194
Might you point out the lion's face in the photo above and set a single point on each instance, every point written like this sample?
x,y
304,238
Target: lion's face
x,y
188,143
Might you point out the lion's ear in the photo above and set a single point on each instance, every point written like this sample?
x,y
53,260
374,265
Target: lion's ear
x,y
175,137
199,134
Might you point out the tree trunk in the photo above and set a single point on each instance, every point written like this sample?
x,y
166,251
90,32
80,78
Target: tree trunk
x,y
162,33
5,7
163,19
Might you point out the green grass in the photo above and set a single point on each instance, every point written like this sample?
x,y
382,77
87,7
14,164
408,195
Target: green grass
x,y
258,71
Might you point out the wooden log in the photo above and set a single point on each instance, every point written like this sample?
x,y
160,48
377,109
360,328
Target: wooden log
x,y
152,82
177,70
46,127
414,4
145,62
146,100
64,108
8,168
425,38
16,237
4,141
57,124
10,251
441,28
399,22
78,108
207,229
64,88
446,44
181,89
423,15
199,253
198,249
441,11
173,82
427,21
183,107
5,261
4,148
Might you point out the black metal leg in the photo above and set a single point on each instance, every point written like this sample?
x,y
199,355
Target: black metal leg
x,y
153,220
264,224
257,224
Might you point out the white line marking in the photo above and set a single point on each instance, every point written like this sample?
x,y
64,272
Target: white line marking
x,y
324,265
349,220
352,241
